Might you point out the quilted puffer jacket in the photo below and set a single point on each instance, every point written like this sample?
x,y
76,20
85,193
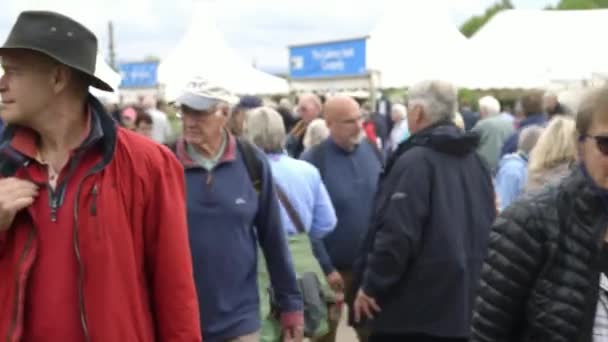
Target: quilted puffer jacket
x,y
540,280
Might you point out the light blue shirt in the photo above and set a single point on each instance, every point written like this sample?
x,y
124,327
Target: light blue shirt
x,y
302,184
511,178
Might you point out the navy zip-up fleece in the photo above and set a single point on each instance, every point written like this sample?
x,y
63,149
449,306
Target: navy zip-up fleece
x,y
226,219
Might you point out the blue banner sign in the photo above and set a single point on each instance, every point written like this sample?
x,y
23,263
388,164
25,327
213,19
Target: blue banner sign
x,y
138,75
327,60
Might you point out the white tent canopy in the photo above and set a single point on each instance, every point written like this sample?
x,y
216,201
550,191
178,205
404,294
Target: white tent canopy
x,y
203,52
533,48
108,75
414,42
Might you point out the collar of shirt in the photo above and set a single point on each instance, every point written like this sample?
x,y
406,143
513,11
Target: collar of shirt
x,y
208,163
26,141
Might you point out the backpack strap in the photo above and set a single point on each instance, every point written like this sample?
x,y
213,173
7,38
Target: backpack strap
x,y
10,159
291,210
252,163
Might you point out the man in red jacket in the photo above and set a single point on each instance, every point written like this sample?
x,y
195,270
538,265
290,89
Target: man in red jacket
x,y
93,235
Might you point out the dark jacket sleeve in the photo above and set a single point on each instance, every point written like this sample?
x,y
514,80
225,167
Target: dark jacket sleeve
x,y
167,250
510,145
515,257
404,209
273,242
294,146
320,252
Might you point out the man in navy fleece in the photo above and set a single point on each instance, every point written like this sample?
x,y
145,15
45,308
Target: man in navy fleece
x,y
350,167
227,218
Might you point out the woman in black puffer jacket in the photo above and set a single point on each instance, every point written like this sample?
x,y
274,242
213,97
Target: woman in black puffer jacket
x,y
547,254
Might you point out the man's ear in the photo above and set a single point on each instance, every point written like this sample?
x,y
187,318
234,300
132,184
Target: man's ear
x,y
61,78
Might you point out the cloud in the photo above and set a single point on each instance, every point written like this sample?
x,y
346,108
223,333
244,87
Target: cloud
x,y
259,30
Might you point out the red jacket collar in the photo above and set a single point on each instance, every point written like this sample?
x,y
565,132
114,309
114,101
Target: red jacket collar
x,y
25,140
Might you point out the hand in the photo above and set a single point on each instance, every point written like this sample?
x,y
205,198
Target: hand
x,y
293,334
365,307
15,195
335,282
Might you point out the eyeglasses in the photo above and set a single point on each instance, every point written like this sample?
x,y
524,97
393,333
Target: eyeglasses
x,y
601,141
195,114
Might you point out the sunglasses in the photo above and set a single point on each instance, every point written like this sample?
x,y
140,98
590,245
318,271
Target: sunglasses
x,y
601,142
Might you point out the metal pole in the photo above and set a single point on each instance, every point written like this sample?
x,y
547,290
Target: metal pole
x,y
111,52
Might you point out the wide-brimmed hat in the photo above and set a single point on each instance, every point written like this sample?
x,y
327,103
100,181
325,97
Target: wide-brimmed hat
x,y
59,37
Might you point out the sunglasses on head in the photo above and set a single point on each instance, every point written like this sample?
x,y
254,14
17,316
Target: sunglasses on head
x,y
601,142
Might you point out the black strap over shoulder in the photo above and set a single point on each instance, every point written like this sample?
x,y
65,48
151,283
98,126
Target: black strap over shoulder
x,y
252,163
291,210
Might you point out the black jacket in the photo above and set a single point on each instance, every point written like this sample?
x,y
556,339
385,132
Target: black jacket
x,y
428,240
539,281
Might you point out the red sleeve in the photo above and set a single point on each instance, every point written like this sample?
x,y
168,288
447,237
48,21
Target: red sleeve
x,y
370,132
168,257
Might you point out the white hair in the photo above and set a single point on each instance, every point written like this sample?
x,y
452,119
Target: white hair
x,y
400,110
316,132
265,128
439,99
489,105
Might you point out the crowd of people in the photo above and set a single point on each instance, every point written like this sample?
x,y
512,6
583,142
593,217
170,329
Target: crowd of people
x,y
269,223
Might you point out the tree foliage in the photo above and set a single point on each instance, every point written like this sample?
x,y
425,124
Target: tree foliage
x,y
475,23
579,5
472,25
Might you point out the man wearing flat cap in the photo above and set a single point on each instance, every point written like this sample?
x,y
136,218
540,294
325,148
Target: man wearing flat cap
x,y
92,246
232,208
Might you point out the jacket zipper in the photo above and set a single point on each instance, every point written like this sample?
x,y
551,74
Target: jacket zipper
x,y
83,317
54,206
26,251
93,207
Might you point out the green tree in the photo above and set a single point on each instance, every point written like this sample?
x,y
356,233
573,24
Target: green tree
x,y
580,4
475,23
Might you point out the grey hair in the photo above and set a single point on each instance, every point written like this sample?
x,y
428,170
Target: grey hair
x,y
439,99
528,138
316,132
265,128
490,105
399,109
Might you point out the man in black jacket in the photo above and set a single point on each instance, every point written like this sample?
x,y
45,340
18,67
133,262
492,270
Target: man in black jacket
x,y
433,213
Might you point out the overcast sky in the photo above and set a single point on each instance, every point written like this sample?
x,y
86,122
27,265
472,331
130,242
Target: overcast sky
x,y
259,30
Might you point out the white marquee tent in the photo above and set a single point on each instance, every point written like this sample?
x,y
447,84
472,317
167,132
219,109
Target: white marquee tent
x,y
108,75
414,42
534,48
203,52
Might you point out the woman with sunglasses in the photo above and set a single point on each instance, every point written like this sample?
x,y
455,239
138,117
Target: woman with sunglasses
x,y
544,278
